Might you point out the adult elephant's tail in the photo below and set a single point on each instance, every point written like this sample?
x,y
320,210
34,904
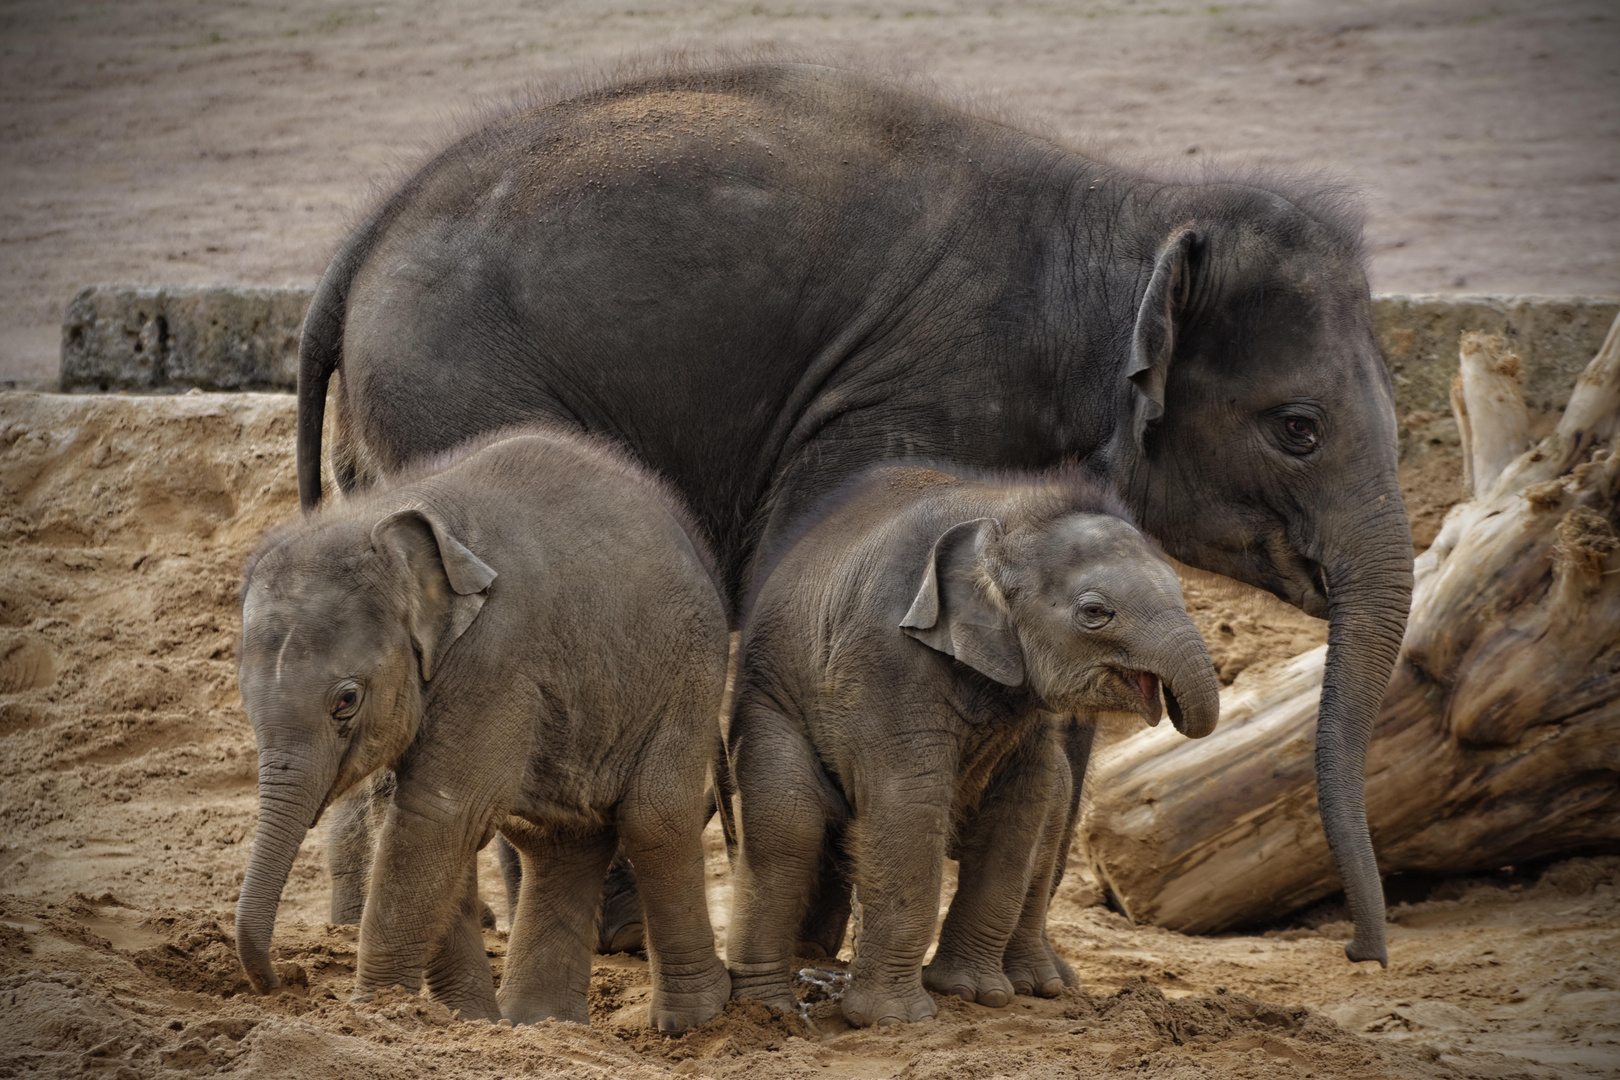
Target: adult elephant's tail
x,y
320,347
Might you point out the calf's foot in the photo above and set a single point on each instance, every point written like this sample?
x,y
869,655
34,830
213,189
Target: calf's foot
x,y
1034,969
768,983
982,983
533,1008
689,996
869,1005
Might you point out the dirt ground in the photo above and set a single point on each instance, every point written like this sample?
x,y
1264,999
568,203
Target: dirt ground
x,y
127,803
174,141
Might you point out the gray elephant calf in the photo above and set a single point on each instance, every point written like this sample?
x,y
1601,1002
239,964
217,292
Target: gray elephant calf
x,y
901,665
530,631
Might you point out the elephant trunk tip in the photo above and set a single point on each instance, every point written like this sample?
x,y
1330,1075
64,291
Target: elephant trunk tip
x,y
264,982
1358,950
254,956
1194,724
261,973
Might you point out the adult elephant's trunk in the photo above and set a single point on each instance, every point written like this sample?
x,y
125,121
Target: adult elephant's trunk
x,y
1369,593
1192,694
288,806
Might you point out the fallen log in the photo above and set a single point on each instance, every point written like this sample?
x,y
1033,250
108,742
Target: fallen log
x,y
1499,737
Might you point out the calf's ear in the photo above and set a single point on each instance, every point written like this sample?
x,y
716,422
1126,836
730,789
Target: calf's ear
x,y
1157,321
957,611
448,583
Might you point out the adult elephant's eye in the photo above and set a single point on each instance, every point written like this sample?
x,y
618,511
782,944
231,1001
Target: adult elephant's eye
x,y
1301,434
346,701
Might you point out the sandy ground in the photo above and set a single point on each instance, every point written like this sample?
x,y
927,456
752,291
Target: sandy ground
x,y
127,803
174,141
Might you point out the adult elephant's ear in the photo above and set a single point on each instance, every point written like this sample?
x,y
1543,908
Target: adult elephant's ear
x,y
959,611
450,582
1161,311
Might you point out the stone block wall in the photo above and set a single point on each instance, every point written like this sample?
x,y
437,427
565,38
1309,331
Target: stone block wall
x,y
159,340
1555,337
170,339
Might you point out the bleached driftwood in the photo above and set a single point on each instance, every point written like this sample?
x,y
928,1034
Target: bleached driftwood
x,y
1499,737
1500,432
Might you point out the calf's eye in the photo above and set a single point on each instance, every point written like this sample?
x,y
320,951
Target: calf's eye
x,y
1094,615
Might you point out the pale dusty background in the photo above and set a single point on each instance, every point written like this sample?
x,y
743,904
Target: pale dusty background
x,y
178,141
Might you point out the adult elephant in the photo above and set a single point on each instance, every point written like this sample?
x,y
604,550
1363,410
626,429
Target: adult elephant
x,y
764,277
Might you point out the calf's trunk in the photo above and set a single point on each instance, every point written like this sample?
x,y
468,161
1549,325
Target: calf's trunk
x,y
1192,693
287,809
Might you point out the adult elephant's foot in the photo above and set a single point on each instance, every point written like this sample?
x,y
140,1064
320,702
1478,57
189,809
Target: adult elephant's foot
x,y
821,934
619,926
533,1008
685,998
962,977
1034,969
814,950
869,1005
768,983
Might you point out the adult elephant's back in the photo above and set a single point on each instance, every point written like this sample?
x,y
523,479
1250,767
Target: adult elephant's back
x,y
714,267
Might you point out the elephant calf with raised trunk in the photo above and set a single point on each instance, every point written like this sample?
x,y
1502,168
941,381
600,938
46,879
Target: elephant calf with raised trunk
x,y
532,639
900,671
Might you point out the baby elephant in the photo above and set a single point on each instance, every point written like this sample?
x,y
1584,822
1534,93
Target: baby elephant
x,y
531,638
902,663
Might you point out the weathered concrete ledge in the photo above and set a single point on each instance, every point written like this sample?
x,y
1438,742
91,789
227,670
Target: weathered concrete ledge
x,y
172,339
1555,337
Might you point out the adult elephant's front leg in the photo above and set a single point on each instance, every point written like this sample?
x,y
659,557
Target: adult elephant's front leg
x,y
348,856
419,892
899,831
349,844
1000,849
458,973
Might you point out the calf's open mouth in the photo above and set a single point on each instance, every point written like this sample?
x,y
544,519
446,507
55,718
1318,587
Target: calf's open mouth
x,y
1146,685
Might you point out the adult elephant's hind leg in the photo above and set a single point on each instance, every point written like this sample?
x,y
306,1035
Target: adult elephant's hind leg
x,y
548,963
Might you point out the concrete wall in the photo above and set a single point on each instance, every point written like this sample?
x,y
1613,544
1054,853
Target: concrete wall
x,y
172,339
1555,336
158,340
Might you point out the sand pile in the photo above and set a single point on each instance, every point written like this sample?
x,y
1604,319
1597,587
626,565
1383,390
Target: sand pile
x,y
127,806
